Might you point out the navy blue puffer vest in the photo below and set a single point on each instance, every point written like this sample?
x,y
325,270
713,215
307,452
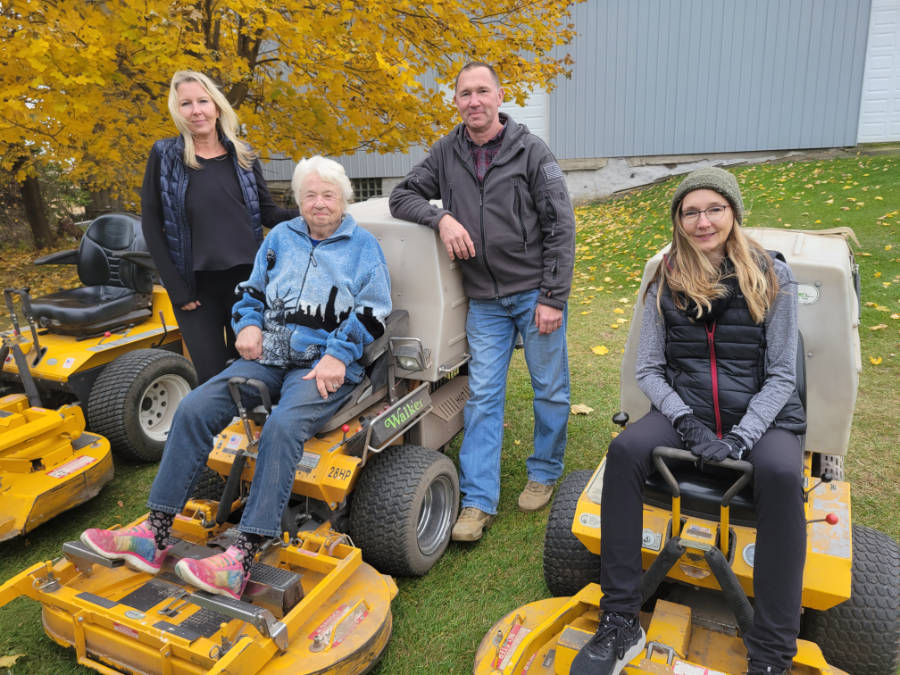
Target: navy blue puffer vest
x,y
173,180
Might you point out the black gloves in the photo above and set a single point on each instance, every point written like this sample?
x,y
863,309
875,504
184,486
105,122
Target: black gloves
x,y
692,431
729,446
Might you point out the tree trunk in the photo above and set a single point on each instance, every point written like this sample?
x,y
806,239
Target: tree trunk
x,y
36,212
102,202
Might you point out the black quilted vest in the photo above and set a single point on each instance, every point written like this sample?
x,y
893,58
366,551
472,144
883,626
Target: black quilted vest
x,y
718,367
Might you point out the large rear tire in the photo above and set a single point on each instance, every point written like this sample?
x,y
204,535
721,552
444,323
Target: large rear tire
x,y
403,509
861,634
568,565
134,399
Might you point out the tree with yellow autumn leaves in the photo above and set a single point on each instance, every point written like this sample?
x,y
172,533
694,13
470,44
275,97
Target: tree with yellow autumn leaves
x,y
85,83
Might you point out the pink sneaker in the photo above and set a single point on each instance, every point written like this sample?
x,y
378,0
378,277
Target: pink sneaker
x,y
222,574
135,545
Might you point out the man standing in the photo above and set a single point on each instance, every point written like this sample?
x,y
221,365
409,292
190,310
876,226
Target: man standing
x,y
507,217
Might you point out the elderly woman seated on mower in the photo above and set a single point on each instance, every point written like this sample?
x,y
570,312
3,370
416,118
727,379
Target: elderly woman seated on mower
x,y
717,360
318,293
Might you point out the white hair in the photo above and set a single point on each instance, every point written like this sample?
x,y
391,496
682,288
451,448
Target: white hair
x,y
326,169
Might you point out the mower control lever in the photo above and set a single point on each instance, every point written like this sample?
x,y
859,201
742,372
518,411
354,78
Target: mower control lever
x,y
826,477
25,298
233,484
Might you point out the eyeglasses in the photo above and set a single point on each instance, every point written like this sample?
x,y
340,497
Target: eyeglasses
x,y
714,214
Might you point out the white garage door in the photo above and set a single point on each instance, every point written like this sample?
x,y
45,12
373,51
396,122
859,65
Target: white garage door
x,y
879,115
533,114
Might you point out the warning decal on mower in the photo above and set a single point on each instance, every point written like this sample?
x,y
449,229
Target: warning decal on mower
x,y
308,461
516,634
126,630
71,466
346,626
684,668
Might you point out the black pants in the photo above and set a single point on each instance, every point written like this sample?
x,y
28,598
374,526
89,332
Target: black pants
x,y
780,538
207,329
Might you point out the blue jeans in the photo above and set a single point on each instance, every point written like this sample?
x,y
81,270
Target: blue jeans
x,y
491,327
300,412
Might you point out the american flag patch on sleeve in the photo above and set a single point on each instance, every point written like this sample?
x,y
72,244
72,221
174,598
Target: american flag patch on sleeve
x,y
552,171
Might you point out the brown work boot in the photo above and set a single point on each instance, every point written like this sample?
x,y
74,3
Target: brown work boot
x,y
471,524
535,496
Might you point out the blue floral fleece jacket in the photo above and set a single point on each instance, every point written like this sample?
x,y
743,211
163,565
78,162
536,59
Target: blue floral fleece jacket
x,y
331,298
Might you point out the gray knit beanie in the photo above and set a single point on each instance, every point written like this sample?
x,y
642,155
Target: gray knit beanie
x,y
711,178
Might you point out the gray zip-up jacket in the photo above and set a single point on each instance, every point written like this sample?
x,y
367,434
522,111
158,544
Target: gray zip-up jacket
x,y
520,218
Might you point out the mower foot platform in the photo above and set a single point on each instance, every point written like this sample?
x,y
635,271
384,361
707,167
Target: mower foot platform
x,y
258,617
276,590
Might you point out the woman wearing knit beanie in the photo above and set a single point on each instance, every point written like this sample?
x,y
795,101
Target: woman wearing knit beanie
x,y
717,359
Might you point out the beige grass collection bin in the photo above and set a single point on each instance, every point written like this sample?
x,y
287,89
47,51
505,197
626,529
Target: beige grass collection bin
x,y
424,282
824,268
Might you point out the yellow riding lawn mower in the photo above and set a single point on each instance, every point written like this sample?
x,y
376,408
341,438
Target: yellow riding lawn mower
x,y
105,356
699,526
373,495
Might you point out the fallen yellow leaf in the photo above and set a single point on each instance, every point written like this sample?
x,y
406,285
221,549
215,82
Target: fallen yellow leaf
x,y
581,409
880,326
600,350
875,360
10,660
619,310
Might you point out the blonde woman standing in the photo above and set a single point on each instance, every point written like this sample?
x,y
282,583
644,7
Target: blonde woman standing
x,y
204,203
717,360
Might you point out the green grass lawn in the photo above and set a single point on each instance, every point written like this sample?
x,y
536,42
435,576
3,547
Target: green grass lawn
x,y
440,619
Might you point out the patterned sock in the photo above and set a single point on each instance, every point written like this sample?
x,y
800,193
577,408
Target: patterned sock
x,y
248,544
161,524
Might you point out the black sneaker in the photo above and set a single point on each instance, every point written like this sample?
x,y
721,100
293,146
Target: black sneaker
x,y
757,668
618,639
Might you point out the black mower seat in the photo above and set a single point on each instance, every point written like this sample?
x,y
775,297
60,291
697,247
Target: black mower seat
x,y
701,492
117,272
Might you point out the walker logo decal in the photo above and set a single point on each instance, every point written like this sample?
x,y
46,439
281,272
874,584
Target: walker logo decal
x,y
71,466
400,416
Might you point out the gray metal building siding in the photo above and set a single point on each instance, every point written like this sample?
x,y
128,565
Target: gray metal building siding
x,y
673,77
360,165
655,77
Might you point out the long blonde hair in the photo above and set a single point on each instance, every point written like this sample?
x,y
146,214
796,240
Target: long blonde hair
x,y
690,275
227,122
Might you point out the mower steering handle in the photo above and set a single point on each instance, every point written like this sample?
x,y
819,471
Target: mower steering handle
x,y
662,453
234,388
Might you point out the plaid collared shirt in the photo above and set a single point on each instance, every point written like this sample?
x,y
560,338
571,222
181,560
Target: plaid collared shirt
x,y
483,155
